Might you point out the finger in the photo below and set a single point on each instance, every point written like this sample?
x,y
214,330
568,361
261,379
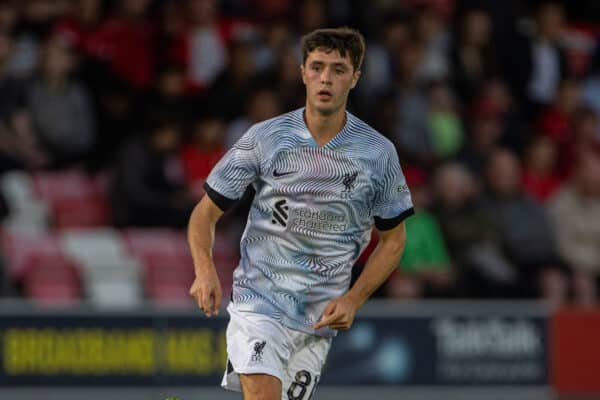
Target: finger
x,y
211,304
206,301
194,293
341,324
198,299
218,297
330,308
326,320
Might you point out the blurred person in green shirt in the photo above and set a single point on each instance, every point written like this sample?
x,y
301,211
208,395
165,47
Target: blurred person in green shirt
x,y
425,267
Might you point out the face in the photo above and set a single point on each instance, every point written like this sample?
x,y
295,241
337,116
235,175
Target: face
x,y
328,77
504,173
477,27
57,59
541,155
551,21
454,186
202,11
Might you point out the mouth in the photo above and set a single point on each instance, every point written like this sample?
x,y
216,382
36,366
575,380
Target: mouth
x,y
324,95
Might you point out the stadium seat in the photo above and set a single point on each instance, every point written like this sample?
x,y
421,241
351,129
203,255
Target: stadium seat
x,y
27,212
147,243
20,248
168,279
51,280
74,198
93,245
80,212
113,283
17,186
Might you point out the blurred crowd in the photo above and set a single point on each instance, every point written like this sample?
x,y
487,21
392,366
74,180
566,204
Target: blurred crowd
x,y
493,107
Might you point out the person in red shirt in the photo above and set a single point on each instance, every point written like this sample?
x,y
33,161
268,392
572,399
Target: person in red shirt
x,y
540,179
79,26
202,47
125,42
204,149
556,122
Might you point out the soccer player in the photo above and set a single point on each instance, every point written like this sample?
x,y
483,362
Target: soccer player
x,y
323,179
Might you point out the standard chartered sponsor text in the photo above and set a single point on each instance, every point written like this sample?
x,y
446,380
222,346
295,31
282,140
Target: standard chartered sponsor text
x,y
319,220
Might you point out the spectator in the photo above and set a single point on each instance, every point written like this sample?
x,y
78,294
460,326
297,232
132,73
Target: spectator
x,y
204,150
117,120
537,67
495,95
18,146
586,131
231,90
262,104
556,122
575,211
484,136
285,80
425,267
472,237
431,30
169,94
540,180
125,42
445,125
79,26
148,186
9,17
471,56
202,47
60,106
277,38
525,230
382,55
411,133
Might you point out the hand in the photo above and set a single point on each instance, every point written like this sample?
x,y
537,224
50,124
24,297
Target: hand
x,y
338,314
206,289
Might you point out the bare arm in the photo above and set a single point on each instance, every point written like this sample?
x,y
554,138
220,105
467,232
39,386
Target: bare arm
x,y
206,288
339,313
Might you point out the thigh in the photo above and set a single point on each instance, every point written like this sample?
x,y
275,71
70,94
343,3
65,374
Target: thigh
x,y
304,368
260,387
256,345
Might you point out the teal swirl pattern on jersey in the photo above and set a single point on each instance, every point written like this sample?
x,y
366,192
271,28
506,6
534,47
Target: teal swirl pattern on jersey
x,y
312,213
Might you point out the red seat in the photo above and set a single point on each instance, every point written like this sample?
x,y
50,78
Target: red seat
x,y
20,249
81,212
168,279
146,243
51,280
75,199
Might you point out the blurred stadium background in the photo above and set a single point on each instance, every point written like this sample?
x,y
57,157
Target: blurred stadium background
x,y
112,113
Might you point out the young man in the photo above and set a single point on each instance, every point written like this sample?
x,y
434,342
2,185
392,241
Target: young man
x,y
323,178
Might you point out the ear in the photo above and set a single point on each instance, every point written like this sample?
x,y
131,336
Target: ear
x,y
355,78
302,73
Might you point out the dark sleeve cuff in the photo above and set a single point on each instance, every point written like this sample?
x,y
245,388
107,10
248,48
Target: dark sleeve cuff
x,y
224,203
385,224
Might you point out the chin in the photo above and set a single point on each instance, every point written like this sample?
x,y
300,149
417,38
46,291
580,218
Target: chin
x,y
326,110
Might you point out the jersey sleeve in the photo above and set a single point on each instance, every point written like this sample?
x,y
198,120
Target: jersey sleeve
x,y
235,171
392,202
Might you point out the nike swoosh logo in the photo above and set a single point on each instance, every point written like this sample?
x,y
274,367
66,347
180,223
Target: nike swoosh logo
x,y
277,174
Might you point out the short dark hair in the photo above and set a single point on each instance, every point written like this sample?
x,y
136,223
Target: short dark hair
x,y
349,42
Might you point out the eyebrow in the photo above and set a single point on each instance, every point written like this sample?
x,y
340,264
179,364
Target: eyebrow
x,y
335,64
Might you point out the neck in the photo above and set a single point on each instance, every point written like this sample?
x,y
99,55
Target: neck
x,y
323,128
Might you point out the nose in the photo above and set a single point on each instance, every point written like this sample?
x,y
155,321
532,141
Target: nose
x,y
326,76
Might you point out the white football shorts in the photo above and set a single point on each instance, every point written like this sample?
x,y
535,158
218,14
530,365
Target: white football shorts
x,y
258,344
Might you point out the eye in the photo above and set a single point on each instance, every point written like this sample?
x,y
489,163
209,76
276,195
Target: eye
x,y
339,71
316,67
